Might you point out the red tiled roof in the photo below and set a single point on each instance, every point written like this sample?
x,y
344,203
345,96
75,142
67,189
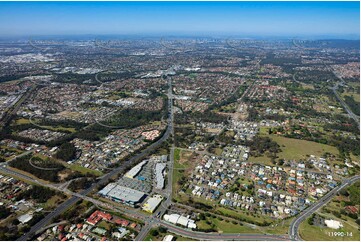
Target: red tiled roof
x,y
352,209
95,217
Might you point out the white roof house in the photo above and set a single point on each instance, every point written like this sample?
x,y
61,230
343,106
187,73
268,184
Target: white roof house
x,y
168,237
25,218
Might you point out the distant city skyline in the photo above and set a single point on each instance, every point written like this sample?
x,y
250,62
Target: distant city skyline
x,y
329,19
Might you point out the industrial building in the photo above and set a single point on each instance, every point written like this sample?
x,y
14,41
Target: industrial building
x,y
122,194
151,205
179,219
159,169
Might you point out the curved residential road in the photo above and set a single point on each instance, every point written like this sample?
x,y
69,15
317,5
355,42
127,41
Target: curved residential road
x,y
294,227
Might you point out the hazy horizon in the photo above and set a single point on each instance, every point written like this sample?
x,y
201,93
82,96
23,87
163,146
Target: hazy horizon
x,y
262,19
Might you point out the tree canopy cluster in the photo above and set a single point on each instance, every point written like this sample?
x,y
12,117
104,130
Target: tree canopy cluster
x,y
66,152
22,163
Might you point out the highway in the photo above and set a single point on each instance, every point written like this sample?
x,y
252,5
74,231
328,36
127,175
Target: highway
x,y
348,110
344,105
220,236
13,109
294,227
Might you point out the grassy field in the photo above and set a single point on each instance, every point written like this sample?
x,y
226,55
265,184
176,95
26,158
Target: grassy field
x,y
243,215
104,224
311,232
176,155
22,121
277,228
294,149
263,130
355,96
261,160
84,170
180,164
298,149
223,226
53,128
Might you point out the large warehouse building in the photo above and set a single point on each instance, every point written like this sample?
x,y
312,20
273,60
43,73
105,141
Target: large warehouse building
x,y
122,194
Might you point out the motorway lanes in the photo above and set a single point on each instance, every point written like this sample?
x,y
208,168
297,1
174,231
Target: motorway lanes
x,y
217,236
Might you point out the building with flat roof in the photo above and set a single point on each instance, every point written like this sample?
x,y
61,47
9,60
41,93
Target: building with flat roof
x,y
159,168
122,194
179,219
152,203
135,170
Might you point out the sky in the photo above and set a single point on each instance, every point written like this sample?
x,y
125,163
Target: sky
x,y
229,18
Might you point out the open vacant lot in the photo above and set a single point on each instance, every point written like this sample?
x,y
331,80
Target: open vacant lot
x,y
295,149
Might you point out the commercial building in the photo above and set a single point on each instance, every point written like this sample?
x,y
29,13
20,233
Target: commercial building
x,y
179,219
135,170
159,169
122,194
151,205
